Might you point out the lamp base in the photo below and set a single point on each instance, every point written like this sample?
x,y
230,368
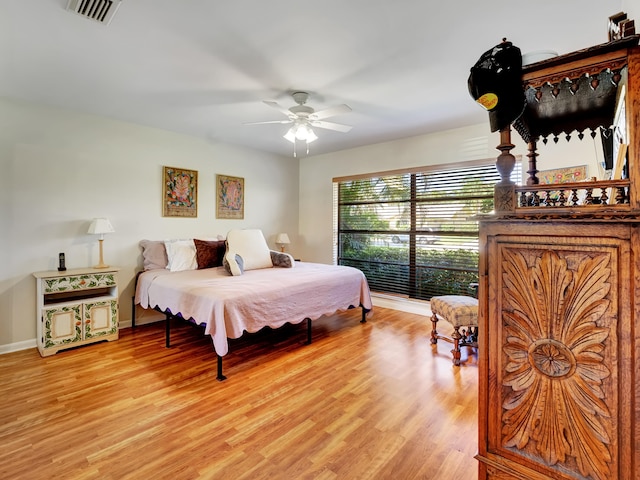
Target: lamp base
x,y
101,264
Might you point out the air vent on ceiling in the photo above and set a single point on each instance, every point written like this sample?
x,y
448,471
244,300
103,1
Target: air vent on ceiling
x,y
101,11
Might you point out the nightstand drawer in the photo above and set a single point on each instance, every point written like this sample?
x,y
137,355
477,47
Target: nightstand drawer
x,y
78,282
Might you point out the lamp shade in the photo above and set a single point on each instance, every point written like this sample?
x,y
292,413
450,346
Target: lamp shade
x,y
291,135
282,239
307,134
100,226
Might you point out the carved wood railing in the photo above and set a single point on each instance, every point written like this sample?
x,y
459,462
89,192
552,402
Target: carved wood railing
x,y
590,196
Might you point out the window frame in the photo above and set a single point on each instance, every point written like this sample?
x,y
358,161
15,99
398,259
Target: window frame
x,y
418,199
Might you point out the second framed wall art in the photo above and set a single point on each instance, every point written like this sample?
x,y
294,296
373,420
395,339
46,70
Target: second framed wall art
x,y
229,197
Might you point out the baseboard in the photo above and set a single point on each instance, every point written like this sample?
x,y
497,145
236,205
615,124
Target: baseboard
x,y
17,346
27,344
419,307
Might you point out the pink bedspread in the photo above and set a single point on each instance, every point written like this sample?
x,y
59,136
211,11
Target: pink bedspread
x,y
229,306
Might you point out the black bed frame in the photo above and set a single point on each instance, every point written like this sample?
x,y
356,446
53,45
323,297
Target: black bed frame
x,y
220,376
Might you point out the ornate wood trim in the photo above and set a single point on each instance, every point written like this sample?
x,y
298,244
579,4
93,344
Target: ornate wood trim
x,y
574,64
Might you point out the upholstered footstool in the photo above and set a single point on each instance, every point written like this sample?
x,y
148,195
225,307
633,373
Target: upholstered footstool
x,y
462,313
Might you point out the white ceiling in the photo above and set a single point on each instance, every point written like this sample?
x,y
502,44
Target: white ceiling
x,y
203,67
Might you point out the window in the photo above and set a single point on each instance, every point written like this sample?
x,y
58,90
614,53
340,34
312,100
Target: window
x,y
413,233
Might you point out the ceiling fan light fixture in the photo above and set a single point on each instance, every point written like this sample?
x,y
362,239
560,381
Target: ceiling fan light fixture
x,y
309,135
302,118
300,132
291,135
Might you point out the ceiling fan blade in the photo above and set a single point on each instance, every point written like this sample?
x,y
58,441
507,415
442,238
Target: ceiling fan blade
x,y
338,127
330,112
278,107
272,121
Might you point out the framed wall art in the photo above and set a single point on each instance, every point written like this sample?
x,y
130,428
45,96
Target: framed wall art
x,y
563,175
179,192
229,197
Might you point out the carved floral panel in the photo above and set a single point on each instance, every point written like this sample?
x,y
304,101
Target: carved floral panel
x,y
504,198
558,334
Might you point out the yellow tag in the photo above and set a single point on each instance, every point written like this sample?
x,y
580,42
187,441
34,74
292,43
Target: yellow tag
x,y
488,101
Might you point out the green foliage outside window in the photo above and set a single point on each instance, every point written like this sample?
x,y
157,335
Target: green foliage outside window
x,y
438,272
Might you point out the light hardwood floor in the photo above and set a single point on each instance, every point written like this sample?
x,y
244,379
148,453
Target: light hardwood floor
x,y
363,401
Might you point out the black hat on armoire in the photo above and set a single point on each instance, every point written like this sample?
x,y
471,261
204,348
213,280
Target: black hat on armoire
x,y
495,83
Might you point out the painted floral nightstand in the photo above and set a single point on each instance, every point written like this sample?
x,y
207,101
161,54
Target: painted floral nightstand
x,y
76,307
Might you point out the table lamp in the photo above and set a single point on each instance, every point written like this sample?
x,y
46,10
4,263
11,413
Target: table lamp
x,y
282,239
100,226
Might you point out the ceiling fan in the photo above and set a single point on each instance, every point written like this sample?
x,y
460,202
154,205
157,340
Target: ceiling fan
x,y
304,117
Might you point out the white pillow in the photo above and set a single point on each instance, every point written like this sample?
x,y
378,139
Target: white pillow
x,y
181,255
251,246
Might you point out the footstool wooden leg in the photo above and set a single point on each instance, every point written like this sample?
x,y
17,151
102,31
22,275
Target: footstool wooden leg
x,y
434,330
456,346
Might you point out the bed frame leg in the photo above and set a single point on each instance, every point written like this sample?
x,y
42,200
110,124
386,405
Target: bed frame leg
x,y
364,315
167,331
220,376
308,331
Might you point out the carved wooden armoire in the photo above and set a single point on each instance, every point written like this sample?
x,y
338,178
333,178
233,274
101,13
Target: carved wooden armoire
x,y
559,310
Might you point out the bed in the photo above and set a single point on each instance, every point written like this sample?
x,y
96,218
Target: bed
x,y
228,305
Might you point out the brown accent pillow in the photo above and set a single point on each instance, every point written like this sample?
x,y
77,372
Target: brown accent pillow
x,y
209,253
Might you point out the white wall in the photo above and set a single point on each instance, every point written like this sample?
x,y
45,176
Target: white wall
x,y
469,143
60,169
632,9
